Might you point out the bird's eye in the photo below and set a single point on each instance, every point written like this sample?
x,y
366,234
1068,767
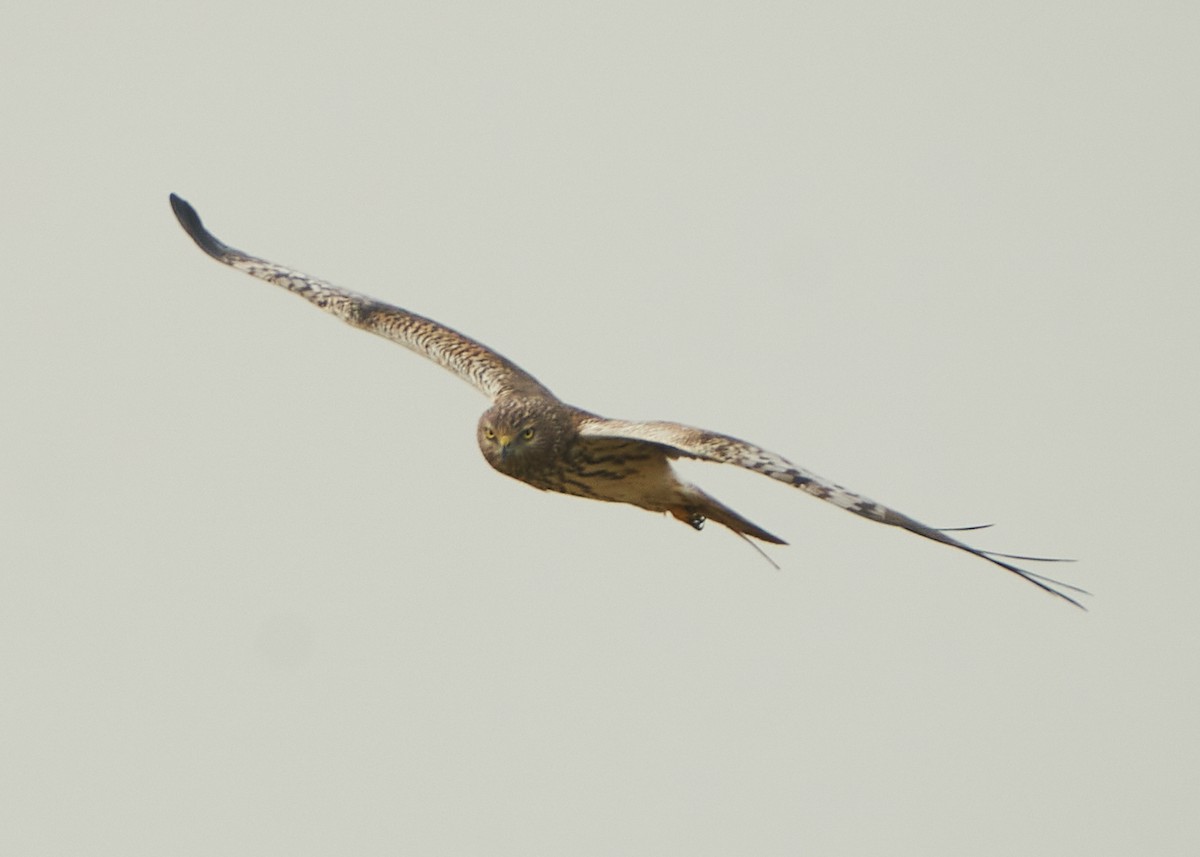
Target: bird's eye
x,y
489,434
527,434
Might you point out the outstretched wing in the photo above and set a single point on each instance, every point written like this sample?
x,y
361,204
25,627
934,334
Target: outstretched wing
x,y
697,443
492,374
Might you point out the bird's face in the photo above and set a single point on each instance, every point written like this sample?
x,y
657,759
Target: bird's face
x,y
514,439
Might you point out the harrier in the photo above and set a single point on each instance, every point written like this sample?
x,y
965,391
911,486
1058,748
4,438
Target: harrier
x,y
532,436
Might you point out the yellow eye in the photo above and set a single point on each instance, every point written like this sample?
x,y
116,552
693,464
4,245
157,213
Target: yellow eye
x,y
527,434
489,434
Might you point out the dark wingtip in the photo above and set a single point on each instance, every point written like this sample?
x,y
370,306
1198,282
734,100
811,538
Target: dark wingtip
x,y
1038,580
190,221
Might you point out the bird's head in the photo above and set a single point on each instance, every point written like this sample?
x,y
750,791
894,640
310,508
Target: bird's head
x,y
519,435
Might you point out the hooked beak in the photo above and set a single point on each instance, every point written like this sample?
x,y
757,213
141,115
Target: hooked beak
x,y
503,441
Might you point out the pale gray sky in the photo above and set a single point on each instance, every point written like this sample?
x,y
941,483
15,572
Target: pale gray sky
x,y
262,595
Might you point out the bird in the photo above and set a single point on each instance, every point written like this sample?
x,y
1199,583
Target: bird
x,y
529,434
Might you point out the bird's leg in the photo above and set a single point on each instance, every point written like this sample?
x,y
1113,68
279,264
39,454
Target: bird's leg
x,y
689,516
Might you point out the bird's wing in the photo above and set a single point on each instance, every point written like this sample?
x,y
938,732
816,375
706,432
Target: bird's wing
x,y
477,364
691,442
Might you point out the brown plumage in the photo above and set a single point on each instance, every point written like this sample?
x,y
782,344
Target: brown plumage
x,y
532,436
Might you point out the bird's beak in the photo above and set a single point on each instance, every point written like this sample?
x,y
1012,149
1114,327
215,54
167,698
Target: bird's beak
x,y
503,440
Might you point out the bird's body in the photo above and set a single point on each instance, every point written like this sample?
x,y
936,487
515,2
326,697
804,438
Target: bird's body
x,y
532,436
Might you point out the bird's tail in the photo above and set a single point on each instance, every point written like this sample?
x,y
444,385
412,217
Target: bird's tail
x,y
701,507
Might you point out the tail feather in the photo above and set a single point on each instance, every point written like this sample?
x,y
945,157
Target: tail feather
x,y
714,510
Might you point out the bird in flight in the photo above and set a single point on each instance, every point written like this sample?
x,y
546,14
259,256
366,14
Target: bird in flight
x,y
532,436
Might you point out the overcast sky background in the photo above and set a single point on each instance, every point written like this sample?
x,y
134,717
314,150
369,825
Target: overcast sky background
x,y
260,593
